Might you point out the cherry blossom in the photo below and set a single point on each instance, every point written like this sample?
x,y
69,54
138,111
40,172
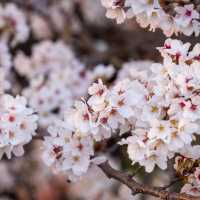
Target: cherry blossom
x,y
18,125
151,14
67,151
46,56
115,10
160,107
76,92
166,121
56,77
13,24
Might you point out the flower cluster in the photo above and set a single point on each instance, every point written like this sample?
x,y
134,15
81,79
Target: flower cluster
x,y
159,107
46,57
13,24
56,78
192,187
151,13
66,151
152,108
17,125
187,167
96,119
168,119
17,122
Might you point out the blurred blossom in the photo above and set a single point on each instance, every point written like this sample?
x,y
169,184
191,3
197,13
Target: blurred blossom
x,y
40,27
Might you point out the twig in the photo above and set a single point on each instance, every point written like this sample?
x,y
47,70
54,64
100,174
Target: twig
x,y
138,188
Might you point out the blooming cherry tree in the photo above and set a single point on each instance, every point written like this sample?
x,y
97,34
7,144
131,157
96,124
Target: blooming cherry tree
x,y
68,93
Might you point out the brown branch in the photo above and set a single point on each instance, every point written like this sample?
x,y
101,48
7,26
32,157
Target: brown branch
x,y
138,188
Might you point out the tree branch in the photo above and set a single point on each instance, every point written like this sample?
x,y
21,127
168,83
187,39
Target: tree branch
x,y
138,188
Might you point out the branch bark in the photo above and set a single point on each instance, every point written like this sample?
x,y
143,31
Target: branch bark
x,y
138,188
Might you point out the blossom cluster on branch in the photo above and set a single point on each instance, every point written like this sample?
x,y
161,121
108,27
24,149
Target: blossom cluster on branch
x,y
52,63
18,125
13,24
184,18
153,109
159,106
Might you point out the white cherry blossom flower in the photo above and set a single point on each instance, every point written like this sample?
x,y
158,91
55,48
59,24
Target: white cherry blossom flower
x,y
185,15
18,125
13,24
114,10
